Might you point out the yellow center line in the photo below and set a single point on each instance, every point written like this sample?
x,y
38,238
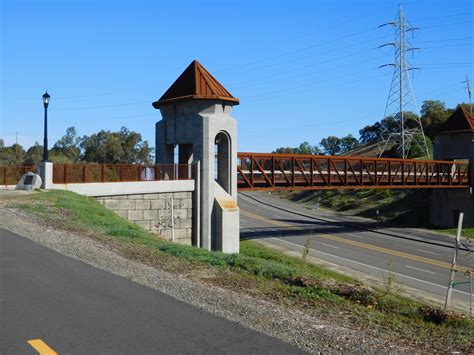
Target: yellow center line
x,y
41,347
383,250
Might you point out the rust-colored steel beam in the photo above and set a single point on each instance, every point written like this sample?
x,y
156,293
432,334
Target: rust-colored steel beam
x,y
262,171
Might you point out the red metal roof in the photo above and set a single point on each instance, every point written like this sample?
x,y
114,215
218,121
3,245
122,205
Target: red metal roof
x,y
195,83
460,121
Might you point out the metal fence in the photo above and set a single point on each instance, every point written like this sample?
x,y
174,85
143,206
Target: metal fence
x,y
93,173
11,174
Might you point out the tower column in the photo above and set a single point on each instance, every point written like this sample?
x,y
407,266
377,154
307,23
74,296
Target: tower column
x,y
196,113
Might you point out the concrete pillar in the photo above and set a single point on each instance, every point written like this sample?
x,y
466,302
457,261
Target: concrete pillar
x,y
194,125
164,152
46,174
454,141
196,113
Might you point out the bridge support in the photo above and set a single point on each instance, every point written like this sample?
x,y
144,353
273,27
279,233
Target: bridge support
x,y
197,120
454,141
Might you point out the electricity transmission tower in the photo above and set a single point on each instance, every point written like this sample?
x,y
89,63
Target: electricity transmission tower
x,y
401,99
468,87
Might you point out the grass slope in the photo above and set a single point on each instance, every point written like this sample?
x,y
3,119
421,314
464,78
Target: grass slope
x,y
263,272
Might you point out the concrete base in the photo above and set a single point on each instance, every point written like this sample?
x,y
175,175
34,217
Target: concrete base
x,y
46,174
446,204
227,221
167,214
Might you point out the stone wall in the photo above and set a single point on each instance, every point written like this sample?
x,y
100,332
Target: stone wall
x,y
153,212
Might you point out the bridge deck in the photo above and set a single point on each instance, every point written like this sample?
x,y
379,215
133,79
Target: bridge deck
x,y
257,171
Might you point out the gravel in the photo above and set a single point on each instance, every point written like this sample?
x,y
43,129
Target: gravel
x,y
304,330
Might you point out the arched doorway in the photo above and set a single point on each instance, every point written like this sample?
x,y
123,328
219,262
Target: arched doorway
x,y
222,163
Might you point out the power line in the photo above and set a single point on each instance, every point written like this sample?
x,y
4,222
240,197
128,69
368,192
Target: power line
x,y
262,80
316,54
297,89
338,39
447,40
446,16
448,24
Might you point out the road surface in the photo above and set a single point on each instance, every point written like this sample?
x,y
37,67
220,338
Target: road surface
x,y
60,303
418,259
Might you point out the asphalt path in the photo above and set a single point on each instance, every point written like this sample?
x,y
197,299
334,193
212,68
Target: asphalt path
x,y
418,259
73,308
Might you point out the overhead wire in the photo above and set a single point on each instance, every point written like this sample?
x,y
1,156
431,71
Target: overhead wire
x,y
306,74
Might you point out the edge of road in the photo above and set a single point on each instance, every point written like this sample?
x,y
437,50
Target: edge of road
x,y
464,245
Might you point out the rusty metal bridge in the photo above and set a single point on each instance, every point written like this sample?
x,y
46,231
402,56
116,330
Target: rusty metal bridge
x,y
259,171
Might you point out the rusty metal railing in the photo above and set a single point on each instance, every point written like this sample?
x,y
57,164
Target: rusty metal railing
x,y
94,173
257,171
11,174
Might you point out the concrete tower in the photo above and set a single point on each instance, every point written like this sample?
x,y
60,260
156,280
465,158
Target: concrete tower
x,y
197,120
454,141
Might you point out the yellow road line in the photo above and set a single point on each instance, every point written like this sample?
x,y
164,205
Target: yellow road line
x,y
41,347
388,251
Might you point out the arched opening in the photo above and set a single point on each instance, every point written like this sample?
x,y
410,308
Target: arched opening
x,y
222,149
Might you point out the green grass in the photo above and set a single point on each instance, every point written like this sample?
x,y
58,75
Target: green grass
x,y
257,269
467,233
85,214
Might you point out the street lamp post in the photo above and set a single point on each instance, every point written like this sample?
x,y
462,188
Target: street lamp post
x,y
45,143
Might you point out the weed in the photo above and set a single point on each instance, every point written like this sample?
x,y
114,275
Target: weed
x,y
307,246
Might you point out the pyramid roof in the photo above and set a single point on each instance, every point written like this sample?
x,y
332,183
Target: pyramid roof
x,y
460,121
195,83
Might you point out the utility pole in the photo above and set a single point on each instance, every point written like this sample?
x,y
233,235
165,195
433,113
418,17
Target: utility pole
x,y
401,98
468,87
453,263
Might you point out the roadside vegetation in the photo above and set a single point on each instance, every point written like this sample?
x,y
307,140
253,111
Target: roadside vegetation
x,y
265,273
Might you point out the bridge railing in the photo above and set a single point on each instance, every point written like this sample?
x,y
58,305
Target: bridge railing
x,y
293,171
96,173
11,174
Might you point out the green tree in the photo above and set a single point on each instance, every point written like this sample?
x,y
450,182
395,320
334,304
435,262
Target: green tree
x,y
417,148
433,115
348,143
34,154
286,150
67,147
14,154
124,146
306,148
331,145
371,133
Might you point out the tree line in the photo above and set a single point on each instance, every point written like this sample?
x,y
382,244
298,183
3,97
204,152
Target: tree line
x,y
433,114
123,146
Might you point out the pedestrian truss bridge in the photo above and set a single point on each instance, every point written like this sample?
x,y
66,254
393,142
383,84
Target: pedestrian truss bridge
x,y
260,171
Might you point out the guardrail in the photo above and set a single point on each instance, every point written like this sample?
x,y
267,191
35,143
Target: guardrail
x,y
97,173
11,174
258,171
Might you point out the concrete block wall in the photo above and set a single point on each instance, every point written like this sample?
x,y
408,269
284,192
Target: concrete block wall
x,y
152,212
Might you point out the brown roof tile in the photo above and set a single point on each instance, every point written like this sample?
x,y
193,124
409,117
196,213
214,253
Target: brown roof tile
x,y
195,83
459,121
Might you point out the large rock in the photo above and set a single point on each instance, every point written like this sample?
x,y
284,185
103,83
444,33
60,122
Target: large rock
x,y
29,181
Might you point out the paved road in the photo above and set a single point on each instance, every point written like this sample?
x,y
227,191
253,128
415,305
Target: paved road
x,y
419,259
75,308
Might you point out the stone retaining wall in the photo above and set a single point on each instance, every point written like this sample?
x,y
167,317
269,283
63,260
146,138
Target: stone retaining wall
x,y
153,212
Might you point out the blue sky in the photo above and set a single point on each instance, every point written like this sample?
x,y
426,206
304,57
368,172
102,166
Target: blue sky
x,y
303,70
